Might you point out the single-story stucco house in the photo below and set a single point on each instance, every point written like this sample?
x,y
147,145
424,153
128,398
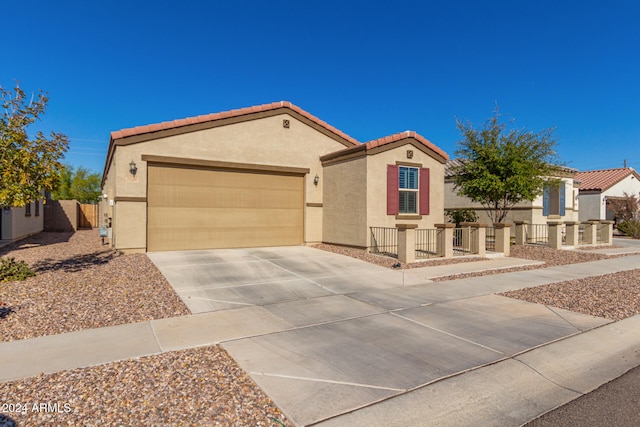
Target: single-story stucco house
x,y
19,222
555,204
599,187
269,175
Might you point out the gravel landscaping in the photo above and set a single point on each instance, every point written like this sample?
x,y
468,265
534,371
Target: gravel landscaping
x,y
613,296
554,257
194,387
81,284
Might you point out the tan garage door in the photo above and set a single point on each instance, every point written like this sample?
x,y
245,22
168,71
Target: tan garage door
x,y
199,208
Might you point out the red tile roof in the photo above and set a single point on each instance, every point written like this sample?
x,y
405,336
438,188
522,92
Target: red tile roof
x,y
139,130
602,180
388,140
406,134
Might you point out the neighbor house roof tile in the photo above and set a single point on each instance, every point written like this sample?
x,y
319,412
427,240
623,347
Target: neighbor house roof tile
x,y
601,180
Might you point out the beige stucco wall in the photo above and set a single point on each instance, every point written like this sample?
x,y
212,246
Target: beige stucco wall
x,y
6,223
15,225
345,203
377,187
313,217
262,142
355,196
128,236
61,215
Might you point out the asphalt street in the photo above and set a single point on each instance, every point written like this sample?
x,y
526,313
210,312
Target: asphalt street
x,y
616,403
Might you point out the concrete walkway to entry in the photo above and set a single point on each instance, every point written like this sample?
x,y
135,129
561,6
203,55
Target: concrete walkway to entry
x,y
337,341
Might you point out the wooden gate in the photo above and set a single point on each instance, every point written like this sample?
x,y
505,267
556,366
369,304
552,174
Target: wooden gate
x,y
88,217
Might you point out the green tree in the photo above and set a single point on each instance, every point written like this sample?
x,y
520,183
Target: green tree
x,y
501,166
28,165
626,211
63,189
78,184
458,216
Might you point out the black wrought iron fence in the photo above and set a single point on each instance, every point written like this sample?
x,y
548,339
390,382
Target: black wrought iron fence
x,y
537,234
384,241
426,243
490,239
464,240
581,234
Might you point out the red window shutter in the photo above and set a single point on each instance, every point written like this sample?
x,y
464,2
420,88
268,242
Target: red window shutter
x,y
424,191
393,198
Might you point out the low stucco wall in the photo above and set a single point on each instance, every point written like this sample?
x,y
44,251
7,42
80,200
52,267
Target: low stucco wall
x,y
61,215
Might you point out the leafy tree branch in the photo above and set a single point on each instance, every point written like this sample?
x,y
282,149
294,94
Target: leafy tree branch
x,y
28,165
500,166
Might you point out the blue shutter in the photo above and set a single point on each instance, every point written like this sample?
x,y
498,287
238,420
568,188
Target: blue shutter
x,y
562,199
545,201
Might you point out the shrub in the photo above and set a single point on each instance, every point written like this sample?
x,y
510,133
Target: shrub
x,y
630,227
11,270
462,215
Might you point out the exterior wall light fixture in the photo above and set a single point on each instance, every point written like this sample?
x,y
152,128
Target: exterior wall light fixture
x,y
316,180
133,168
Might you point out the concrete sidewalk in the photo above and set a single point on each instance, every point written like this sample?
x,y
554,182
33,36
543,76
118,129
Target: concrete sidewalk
x,y
513,391
457,372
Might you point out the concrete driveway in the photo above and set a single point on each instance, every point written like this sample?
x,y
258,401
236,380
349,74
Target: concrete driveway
x,y
338,334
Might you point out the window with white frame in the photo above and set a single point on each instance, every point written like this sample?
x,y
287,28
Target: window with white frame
x,y
408,189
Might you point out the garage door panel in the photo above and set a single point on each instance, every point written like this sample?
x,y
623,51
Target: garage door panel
x,y
206,197
219,238
167,176
211,218
195,208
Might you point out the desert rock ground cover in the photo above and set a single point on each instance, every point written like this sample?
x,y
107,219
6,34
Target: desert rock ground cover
x,y
80,284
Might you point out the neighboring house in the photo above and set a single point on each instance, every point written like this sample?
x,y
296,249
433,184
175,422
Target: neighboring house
x,y
17,223
598,187
556,204
270,175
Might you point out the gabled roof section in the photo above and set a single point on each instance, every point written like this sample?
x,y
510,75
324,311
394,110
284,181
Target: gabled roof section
x,y
602,180
407,134
387,143
248,111
153,131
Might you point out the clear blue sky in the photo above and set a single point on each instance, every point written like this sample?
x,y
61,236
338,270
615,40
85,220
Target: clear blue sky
x,y
369,68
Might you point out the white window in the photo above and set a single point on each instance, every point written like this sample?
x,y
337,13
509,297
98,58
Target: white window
x,y
408,190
